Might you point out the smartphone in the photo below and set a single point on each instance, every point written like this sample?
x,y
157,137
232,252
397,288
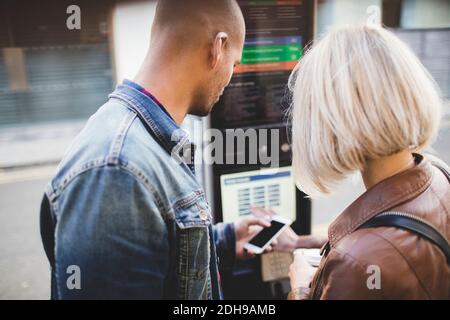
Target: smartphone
x,y
262,239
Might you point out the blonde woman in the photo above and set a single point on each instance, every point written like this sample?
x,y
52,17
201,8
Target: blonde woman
x,y
363,102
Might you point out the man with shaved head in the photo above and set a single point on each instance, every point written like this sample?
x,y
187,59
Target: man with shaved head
x,y
194,48
124,217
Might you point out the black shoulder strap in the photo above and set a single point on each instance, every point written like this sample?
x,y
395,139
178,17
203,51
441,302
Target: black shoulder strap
x,y
413,224
408,222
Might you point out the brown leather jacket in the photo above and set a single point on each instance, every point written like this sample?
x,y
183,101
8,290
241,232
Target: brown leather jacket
x,y
410,267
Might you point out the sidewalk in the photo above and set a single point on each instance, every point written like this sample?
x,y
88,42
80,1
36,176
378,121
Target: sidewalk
x,y
39,144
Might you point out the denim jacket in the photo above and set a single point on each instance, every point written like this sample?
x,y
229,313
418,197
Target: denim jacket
x,y
126,218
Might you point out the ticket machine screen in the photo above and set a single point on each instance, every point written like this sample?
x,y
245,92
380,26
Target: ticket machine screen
x,y
268,188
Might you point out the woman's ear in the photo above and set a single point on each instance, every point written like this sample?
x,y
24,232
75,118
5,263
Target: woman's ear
x,y
218,48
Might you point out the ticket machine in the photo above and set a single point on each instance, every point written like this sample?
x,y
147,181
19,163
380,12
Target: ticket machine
x,y
256,102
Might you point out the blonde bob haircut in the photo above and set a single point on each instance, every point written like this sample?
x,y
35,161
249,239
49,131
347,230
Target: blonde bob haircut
x,y
357,94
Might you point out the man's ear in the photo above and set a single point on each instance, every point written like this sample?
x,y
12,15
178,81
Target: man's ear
x,y
218,48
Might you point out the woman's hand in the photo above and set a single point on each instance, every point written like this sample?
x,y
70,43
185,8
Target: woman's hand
x,y
301,272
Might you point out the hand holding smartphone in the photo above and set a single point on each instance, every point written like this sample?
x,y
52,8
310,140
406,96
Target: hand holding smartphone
x,y
263,238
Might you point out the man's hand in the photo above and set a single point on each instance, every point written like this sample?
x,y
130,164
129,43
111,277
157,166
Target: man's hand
x,y
288,240
245,228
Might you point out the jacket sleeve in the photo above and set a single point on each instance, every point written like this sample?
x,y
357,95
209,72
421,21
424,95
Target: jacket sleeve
x,y
111,232
225,240
344,278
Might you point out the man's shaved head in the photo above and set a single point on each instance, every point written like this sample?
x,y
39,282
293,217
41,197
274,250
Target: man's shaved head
x,y
188,19
201,39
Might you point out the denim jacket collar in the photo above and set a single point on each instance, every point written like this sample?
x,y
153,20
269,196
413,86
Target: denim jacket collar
x,y
161,125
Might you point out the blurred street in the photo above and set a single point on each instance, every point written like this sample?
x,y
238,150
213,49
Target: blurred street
x,y
23,265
